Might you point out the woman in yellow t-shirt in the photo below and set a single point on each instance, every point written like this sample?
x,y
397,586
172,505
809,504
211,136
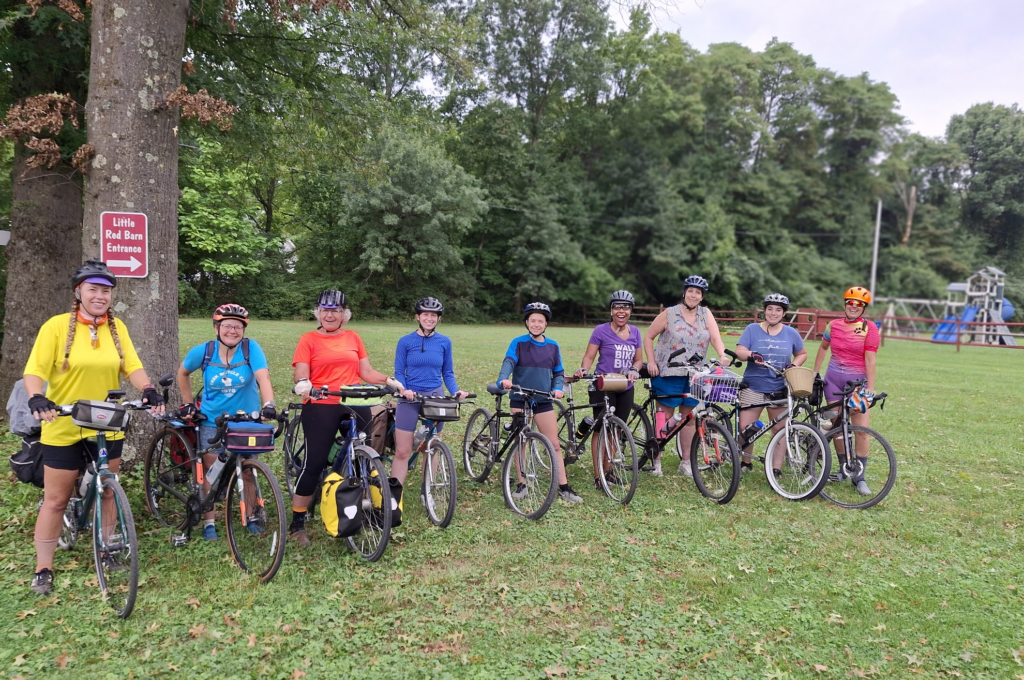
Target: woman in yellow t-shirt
x,y
332,356
82,355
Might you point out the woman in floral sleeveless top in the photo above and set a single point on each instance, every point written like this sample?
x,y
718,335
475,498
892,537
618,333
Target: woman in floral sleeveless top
x,y
687,326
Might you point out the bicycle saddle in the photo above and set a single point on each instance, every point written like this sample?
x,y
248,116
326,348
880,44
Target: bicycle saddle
x,y
495,390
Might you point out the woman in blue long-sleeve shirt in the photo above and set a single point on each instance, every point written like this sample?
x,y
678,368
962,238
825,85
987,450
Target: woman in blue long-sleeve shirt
x,y
534,361
423,361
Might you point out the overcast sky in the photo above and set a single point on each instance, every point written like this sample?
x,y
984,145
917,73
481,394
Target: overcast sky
x,y
938,56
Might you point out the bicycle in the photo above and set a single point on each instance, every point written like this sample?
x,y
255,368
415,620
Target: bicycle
x,y
439,487
102,505
293,445
844,435
353,460
174,483
529,484
618,469
714,456
804,469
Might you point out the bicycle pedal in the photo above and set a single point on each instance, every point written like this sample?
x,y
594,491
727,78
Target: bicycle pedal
x,y
179,539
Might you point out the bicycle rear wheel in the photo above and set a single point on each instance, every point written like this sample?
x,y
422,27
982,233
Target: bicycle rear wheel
x,y
639,425
440,489
618,467
115,548
879,474
805,462
368,470
255,519
168,477
294,452
715,461
479,443
528,480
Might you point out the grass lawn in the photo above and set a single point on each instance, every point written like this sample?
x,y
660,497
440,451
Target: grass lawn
x,y
928,583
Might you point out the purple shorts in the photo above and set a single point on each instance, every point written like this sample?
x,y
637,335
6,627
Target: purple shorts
x,y
835,382
407,413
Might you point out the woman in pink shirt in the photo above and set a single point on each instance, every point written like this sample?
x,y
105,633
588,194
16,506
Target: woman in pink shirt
x,y
854,344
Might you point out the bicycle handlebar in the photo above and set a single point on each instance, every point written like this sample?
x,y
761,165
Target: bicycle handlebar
x,y
416,396
368,392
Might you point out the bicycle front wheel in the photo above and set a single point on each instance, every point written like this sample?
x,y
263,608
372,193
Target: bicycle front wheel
x,y
479,444
255,519
618,466
715,461
801,456
528,480
168,477
115,548
440,488
369,472
879,473
294,452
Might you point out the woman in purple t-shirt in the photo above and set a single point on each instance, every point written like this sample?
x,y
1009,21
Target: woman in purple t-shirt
x,y
618,349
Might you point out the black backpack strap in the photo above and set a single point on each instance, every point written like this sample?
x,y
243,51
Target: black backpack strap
x,y
211,347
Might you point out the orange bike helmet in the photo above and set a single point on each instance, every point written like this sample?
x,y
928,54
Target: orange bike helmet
x,y
859,293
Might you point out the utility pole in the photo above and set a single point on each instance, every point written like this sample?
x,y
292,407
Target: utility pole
x,y
874,254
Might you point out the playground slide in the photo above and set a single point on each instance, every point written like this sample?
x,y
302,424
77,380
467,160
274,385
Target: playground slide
x,y
946,332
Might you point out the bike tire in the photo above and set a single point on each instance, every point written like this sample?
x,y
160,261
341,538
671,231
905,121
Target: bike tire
x,y
620,485
835,492
369,472
294,447
439,486
168,477
715,462
639,425
535,459
806,462
117,556
255,520
479,444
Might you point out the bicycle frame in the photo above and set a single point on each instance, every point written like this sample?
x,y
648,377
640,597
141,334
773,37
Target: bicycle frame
x,y
575,447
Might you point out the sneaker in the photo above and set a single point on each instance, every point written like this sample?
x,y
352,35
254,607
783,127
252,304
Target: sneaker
x,y
567,494
613,479
862,488
776,472
597,484
255,525
657,468
520,492
685,469
42,582
746,467
209,533
299,536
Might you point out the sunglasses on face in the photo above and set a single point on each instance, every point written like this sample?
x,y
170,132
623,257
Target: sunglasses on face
x,y
855,303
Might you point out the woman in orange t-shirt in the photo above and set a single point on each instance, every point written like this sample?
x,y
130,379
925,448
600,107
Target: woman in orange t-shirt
x,y
330,356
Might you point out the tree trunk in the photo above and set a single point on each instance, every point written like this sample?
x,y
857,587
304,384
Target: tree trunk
x,y
44,251
135,65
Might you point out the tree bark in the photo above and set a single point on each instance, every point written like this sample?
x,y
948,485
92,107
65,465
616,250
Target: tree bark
x,y
43,253
135,65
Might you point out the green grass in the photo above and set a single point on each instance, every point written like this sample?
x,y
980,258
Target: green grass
x,y
927,583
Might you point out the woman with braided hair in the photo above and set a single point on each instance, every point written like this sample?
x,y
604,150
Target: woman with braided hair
x,y
82,355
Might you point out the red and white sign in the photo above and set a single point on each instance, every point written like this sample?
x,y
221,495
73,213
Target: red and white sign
x,y
124,244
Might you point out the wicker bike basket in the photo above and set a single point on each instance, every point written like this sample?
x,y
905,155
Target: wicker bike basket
x,y
800,380
440,410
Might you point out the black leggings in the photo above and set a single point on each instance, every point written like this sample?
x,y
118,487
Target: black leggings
x,y
320,424
622,402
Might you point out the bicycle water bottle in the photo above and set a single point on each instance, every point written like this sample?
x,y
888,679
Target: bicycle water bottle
x,y
675,420
659,424
86,481
584,427
218,466
750,431
420,435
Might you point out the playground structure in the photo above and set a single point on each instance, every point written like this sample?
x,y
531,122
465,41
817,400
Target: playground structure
x,y
974,312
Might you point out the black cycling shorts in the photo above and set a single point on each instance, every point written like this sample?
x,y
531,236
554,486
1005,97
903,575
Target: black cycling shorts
x,y
73,457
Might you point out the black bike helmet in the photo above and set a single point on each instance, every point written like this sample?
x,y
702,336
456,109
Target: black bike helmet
x,y
777,299
537,307
94,271
622,297
429,304
231,311
331,299
695,282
